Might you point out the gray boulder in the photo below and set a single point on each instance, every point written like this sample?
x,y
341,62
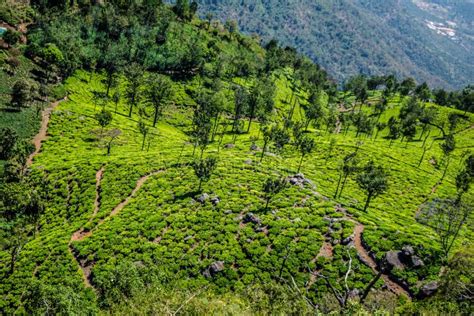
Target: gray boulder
x,y
213,269
202,198
416,262
254,147
346,241
408,251
251,218
215,200
429,289
393,259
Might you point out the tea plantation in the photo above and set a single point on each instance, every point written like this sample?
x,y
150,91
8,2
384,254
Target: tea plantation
x,y
182,168
176,233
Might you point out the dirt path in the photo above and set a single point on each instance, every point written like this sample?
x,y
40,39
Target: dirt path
x,y
325,251
42,133
367,259
98,181
81,234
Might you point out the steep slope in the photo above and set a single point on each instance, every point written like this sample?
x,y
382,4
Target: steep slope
x,y
348,37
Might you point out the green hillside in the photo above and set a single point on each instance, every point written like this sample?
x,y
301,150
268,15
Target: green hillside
x,y
184,169
351,37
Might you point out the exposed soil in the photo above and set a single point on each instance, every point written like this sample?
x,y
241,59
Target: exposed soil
x,y
325,251
98,181
42,133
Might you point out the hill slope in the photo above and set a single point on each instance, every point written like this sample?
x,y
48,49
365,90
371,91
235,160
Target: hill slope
x,y
168,179
348,37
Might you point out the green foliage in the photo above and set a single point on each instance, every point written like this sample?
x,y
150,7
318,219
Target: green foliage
x,y
22,93
446,217
8,139
204,169
104,118
272,187
159,92
40,299
11,37
338,35
145,231
372,179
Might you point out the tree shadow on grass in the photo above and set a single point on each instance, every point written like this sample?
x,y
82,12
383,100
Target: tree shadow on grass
x,y
10,110
184,196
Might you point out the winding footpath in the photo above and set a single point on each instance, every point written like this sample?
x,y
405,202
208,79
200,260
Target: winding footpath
x,y
326,251
81,234
42,133
365,257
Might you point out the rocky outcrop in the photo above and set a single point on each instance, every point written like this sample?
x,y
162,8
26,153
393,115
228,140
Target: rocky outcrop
x,y
404,258
213,269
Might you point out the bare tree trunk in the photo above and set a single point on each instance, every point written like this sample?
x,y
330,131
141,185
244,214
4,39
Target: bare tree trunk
x,y
338,183
367,202
370,286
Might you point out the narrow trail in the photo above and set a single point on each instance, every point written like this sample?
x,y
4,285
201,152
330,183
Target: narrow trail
x,y
98,181
326,250
367,259
79,235
42,133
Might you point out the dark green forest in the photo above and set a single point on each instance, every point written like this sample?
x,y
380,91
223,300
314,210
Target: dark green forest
x,y
364,36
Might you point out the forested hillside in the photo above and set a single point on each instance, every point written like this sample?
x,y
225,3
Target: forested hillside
x,y
153,163
431,41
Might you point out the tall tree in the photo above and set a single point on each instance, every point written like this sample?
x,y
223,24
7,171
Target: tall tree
x,y
203,169
8,139
260,101
159,91
134,74
272,187
315,108
446,218
21,94
143,129
104,118
407,87
241,101
350,164
306,147
358,86
202,125
423,92
267,137
447,147
465,177
373,180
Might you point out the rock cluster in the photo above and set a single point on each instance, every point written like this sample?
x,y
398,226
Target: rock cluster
x,y
299,180
404,258
204,197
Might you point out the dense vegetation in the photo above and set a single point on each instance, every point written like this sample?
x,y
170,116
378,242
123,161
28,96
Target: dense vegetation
x,y
364,36
186,169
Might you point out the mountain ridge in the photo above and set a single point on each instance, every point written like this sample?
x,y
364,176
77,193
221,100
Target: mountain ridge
x,y
390,37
